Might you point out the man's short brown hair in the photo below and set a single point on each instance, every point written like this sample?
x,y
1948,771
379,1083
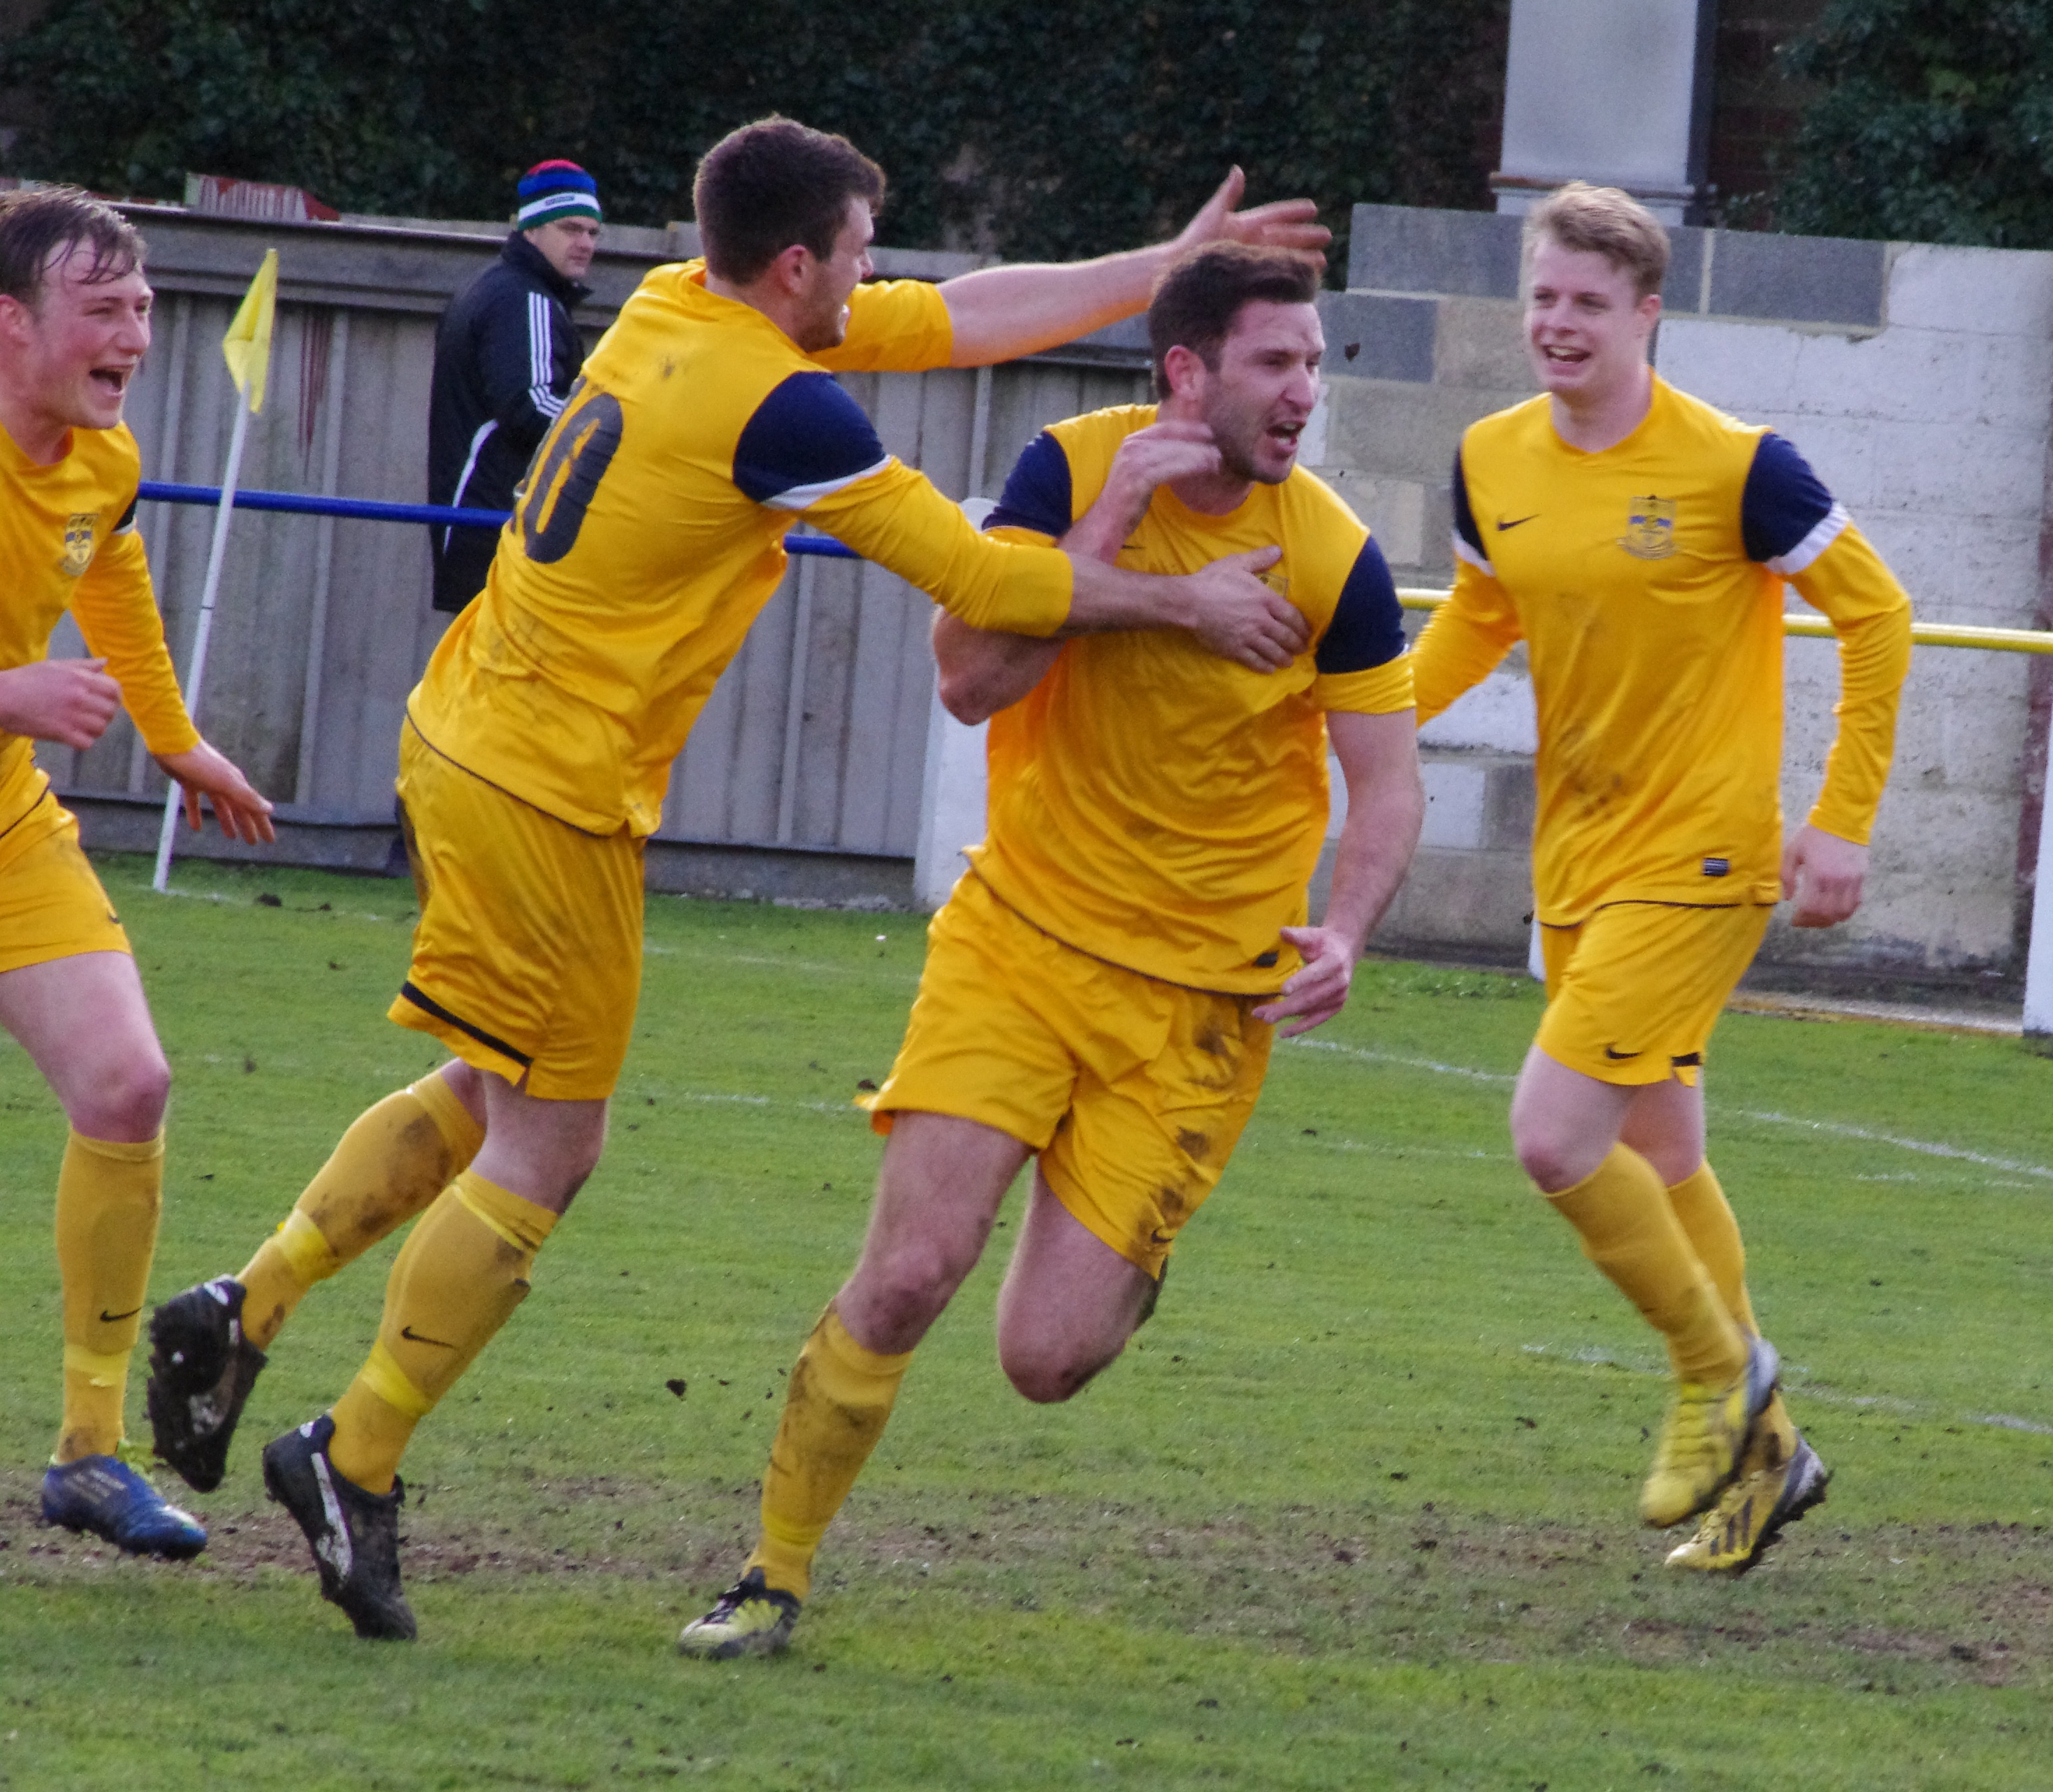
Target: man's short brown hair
x,y
772,184
38,222
1603,221
1198,300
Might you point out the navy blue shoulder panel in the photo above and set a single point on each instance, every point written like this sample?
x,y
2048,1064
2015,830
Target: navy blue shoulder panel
x,y
1038,494
1465,522
807,438
1368,628
1784,501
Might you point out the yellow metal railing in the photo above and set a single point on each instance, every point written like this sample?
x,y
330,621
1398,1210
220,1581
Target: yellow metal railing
x,y
1922,634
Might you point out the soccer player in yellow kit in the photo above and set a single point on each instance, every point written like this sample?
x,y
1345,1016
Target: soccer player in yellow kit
x,y
1637,541
538,746
74,326
1101,988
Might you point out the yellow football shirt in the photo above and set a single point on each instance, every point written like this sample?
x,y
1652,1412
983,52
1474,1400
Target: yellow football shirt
x,y
1646,581
648,533
1150,803
67,542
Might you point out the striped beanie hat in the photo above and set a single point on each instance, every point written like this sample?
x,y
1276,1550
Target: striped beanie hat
x,y
552,190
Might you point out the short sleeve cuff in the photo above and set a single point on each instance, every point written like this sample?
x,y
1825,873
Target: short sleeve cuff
x,y
1380,691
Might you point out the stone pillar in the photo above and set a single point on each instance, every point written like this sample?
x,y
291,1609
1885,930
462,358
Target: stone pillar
x,y
1614,92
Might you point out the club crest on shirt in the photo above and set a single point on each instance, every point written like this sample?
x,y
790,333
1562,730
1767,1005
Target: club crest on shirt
x,y
78,542
1650,529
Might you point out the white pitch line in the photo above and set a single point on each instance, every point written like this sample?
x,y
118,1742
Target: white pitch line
x,y
758,1101
1433,1064
1822,1392
1837,1129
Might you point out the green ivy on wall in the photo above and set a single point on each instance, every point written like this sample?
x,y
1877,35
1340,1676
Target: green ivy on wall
x,y
1045,130
1933,123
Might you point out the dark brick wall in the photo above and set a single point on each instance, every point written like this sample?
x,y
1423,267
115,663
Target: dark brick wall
x,y
1753,109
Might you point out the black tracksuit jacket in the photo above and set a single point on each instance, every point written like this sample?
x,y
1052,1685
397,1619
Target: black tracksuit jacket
x,y
506,353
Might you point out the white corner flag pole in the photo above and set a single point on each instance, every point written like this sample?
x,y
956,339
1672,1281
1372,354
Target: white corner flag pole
x,y
246,348
196,667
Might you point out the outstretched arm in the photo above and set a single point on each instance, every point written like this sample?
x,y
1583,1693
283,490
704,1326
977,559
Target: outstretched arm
x,y
1379,756
1001,313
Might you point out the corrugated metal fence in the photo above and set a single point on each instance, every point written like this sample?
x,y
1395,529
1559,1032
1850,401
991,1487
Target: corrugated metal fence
x,y
803,776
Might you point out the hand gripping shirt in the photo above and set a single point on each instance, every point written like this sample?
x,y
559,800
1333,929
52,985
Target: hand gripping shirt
x,y
67,542
648,535
1646,581
1153,804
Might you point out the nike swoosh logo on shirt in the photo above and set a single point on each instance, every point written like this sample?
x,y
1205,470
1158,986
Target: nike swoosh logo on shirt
x,y
1515,522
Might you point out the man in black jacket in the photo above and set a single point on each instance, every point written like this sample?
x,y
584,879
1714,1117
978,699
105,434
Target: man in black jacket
x,y
505,355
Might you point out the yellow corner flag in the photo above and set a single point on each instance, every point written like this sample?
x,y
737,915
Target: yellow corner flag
x,y
247,345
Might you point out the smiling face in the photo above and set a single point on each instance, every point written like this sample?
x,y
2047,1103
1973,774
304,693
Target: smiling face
x,y
1258,399
822,298
1587,327
73,353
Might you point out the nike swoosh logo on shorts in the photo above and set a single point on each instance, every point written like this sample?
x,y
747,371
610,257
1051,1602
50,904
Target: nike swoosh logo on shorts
x,y
1616,1055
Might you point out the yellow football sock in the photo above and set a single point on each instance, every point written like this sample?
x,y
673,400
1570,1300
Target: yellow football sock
x,y
835,1408
1706,1217
455,1282
395,1158
1701,1206
1630,1231
109,1194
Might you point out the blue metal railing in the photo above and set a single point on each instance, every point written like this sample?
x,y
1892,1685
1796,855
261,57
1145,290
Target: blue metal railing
x,y
371,510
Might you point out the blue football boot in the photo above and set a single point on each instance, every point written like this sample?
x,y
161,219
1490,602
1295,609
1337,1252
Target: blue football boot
x,y
102,1494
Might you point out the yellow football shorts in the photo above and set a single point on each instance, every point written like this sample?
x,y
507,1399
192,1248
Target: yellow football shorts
x,y
1634,991
52,905
527,955
1133,1091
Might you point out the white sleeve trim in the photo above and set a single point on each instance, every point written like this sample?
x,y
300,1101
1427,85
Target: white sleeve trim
x,y
803,497
1824,534
1463,551
541,358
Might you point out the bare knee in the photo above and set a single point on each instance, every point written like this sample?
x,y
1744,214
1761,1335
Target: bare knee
x,y
123,1100
1048,1378
1554,1159
895,1295
1049,1364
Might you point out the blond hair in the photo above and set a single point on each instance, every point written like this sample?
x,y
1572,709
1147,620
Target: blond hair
x,y
1603,221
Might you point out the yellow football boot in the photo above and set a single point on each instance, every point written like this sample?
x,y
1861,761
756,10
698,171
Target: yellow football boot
x,y
751,1619
1773,1489
1705,1439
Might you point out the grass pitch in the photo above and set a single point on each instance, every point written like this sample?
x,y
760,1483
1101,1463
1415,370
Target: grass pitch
x,y
1355,1510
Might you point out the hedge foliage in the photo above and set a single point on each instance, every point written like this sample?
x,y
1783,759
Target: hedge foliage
x,y
1933,123
1025,129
